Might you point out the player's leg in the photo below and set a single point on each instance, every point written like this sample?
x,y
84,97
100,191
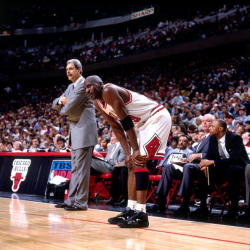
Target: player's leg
x,y
153,136
131,205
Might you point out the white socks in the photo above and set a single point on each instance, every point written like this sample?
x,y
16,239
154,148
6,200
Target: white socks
x,y
141,207
136,206
132,204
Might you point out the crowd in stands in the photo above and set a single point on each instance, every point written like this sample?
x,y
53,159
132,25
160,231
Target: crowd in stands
x,y
222,90
50,55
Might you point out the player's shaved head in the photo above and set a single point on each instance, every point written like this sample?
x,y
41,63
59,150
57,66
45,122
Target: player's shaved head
x,y
93,79
93,87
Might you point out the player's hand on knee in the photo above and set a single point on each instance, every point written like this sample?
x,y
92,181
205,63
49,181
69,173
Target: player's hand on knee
x,y
129,162
138,159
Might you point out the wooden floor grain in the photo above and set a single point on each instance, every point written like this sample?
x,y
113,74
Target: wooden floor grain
x,y
34,225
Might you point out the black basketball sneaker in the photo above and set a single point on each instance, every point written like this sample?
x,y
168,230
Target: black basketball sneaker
x,y
122,216
139,219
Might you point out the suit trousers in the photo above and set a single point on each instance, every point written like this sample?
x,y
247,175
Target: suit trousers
x,y
169,173
119,184
101,166
79,182
233,174
247,179
191,172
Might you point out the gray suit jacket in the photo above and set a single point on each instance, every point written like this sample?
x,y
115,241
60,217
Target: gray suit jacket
x,y
81,114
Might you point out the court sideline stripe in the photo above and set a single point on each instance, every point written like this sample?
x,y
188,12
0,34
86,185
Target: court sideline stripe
x,y
146,229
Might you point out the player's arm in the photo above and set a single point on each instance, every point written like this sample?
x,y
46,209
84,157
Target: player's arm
x,y
113,98
118,131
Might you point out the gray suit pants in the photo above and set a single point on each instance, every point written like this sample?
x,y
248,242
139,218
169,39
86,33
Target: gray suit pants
x,y
79,182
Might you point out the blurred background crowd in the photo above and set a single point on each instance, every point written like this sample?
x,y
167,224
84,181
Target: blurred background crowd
x,y
149,55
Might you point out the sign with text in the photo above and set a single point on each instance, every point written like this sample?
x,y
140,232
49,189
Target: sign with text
x,y
19,172
60,168
143,13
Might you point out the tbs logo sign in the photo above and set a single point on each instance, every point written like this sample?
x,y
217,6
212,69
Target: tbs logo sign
x,y
19,171
61,168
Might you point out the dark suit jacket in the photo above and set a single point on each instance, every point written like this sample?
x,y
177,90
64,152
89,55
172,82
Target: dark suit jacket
x,y
235,148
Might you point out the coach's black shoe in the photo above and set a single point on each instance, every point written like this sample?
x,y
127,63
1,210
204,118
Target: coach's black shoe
x,y
61,205
122,216
75,208
139,219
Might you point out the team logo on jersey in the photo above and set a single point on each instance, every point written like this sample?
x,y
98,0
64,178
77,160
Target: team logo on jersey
x,y
19,171
152,147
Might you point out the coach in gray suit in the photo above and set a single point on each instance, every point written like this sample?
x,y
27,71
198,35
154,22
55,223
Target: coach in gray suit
x,y
83,135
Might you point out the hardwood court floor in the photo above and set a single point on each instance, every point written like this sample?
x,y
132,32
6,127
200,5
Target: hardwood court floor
x,y
35,225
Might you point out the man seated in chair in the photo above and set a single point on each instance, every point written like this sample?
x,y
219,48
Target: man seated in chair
x,y
172,163
229,163
191,171
114,162
245,218
115,157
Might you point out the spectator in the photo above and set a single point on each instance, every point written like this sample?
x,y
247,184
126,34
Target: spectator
x,y
103,146
3,147
17,147
172,164
229,165
35,145
192,171
61,145
245,218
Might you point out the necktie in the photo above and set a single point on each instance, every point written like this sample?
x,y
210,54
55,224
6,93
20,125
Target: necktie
x,y
221,151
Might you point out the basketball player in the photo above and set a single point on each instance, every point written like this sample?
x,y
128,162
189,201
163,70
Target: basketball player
x,y
147,125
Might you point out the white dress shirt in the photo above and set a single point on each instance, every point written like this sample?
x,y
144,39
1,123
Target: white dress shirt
x,y
222,142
